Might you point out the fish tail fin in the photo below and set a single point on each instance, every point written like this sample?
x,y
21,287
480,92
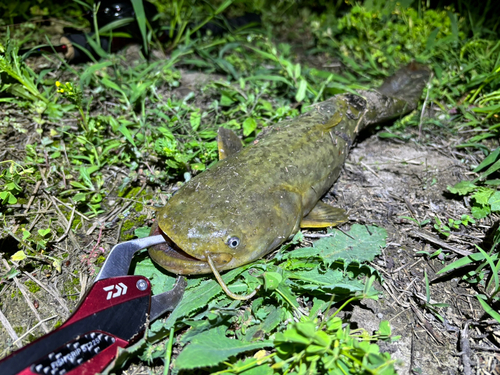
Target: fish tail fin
x,y
398,95
407,83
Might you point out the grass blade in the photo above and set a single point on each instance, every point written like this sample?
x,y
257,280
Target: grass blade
x,y
491,263
464,261
489,310
140,16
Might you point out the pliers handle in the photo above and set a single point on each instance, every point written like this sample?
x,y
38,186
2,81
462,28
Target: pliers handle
x,y
113,314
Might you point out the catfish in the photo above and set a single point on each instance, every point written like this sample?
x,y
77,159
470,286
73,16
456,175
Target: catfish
x,y
257,197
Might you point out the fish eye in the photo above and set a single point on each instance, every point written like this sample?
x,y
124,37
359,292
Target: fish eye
x,y
233,242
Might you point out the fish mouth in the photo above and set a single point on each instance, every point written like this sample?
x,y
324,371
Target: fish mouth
x,y
171,257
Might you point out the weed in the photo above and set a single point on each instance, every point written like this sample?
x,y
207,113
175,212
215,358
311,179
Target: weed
x,y
482,190
419,223
432,306
485,274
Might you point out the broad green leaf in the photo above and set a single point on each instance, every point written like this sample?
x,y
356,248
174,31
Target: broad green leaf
x,y
43,232
8,197
292,336
85,176
273,318
462,188
212,347
92,169
480,212
321,338
57,264
18,256
364,245
80,197
198,166
495,182
272,280
249,125
431,40
384,328
494,201
198,297
307,328
160,281
111,145
286,293
482,195
297,70
142,232
12,186
12,273
301,92
328,281
139,90
78,185
454,24
318,277
195,120
226,100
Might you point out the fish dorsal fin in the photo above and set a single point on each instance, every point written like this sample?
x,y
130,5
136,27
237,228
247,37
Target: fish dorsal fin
x,y
228,143
323,216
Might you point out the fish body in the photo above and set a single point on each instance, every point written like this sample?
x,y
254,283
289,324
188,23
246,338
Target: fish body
x,y
256,198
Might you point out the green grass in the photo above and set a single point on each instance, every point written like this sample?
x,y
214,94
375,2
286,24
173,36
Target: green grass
x,y
111,115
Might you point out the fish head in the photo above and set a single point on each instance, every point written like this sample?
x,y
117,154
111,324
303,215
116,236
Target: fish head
x,y
232,232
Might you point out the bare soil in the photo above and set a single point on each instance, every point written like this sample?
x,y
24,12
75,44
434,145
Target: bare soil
x,y
384,181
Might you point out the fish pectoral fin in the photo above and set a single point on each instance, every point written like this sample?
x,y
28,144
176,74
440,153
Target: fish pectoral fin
x,y
228,143
323,216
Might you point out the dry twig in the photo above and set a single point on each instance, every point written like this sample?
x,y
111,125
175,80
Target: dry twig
x,y
30,304
9,329
49,290
20,339
429,237
464,346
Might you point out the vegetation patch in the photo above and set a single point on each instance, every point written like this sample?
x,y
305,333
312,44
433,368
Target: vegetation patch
x,y
91,150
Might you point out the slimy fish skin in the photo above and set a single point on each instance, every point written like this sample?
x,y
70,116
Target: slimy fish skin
x,y
257,197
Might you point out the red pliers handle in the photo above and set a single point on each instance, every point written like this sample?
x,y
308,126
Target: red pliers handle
x,y
114,313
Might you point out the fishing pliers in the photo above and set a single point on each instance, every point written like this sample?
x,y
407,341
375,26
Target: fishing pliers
x,y
114,313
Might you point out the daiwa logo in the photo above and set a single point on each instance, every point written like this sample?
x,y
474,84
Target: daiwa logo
x,y
121,290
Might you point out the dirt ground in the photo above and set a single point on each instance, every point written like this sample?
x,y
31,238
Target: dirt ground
x,y
383,181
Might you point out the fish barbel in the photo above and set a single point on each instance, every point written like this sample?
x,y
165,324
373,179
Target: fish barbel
x,y
257,197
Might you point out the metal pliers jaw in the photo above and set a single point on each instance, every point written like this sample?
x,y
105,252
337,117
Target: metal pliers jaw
x,y
118,263
113,313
